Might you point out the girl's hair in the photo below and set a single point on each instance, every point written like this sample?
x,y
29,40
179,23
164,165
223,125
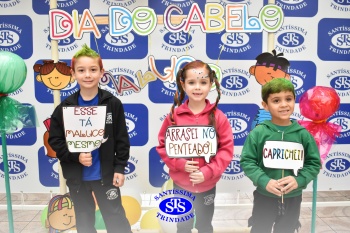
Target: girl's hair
x,y
49,65
276,85
276,60
180,93
86,51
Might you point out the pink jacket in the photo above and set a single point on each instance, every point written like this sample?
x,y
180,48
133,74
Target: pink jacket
x,y
212,171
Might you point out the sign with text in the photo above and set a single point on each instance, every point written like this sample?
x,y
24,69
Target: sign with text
x,y
191,142
84,127
283,155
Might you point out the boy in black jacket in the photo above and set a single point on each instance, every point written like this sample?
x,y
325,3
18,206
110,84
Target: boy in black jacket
x,y
100,171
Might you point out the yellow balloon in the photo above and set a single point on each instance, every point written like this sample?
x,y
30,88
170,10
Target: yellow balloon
x,y
168,185
132,209
149,220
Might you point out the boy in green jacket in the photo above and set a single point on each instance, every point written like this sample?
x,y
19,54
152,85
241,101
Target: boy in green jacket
x,y
278,196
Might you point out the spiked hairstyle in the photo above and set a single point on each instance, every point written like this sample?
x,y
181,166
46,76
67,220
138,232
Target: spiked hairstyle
x,y
86,51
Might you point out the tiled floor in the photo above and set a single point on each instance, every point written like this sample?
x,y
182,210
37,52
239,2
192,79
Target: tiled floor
x,y
329,218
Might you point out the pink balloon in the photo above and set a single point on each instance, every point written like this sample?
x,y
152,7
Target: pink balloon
x,y
319,103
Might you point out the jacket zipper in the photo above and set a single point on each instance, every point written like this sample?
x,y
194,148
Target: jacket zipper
x,y
279,131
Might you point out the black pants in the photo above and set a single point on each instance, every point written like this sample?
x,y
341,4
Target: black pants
x,y
109,201
269,212
203,207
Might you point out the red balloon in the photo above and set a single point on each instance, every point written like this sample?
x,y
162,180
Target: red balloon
x,y
319,103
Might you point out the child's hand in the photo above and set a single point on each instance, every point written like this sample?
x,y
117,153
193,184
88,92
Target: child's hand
x,y
288,183
191,166
274,187
196,177
118,180
85,159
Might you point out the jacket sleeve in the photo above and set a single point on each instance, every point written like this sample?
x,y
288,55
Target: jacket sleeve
x,y
312,162
224,155
57,139
250,163
121,140
174,164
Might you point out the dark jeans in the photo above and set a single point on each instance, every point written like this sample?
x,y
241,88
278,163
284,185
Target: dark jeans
x,y
203,207
270,212
109,201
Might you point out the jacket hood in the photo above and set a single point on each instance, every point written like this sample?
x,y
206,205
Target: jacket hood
x,y
183,108
102,95
294,127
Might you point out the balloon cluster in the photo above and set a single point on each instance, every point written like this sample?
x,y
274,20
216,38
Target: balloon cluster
x,y
318,104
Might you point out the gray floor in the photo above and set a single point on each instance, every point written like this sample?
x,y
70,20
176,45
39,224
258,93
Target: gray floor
x,y
233,219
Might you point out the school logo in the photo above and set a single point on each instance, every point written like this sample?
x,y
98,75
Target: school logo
x,y
16,92
179,42
17,165
337,165
185,5
112,194
159,172
235,82
65,45
233,170
233,45
240,117
225,2
303,76
296,116
43,94
43,7
209,200
16,35
128,46
9,3
342,118
291,39
340,80
159,91
130,169
340,5
333,39
123,3
175,205
120,81
48,169
23,136
136,116
297,8
109,119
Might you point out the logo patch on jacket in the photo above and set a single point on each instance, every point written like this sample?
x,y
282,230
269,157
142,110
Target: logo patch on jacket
x,y
109,118
112,194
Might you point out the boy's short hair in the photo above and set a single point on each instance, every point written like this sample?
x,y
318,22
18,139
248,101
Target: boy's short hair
x,y
276,85
86,51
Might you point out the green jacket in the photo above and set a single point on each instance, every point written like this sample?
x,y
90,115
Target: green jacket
x,y
252,156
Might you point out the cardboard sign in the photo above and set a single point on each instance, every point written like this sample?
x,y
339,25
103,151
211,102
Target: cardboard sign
x,y
84,127
190,142
283,155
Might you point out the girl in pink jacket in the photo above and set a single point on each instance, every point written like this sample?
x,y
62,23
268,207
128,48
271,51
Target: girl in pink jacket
x,y
195,175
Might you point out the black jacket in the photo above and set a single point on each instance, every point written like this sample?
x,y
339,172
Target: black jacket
x,y
114,153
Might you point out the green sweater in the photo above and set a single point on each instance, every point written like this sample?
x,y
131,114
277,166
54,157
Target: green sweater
x,y
252,156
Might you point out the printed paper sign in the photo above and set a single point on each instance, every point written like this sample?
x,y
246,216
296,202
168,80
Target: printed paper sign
x,y
283,155
190,142
84,127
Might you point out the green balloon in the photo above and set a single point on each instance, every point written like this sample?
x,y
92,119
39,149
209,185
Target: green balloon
x,y
99,223
44,217
13,72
